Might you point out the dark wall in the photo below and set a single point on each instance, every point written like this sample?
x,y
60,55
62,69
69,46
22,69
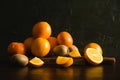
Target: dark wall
x,y
86,20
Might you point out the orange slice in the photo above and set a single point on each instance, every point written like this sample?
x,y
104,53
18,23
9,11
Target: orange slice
x,y
36,62
64,61
74,53
93,56
69,62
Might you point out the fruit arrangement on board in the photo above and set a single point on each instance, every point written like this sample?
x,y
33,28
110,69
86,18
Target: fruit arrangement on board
x,y
42,45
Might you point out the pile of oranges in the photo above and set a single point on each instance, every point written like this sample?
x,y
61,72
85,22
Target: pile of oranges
x,y
42,44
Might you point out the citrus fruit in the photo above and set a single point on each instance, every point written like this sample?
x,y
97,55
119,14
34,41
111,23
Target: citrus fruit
x,y
69,63
53,42
64,38
93,56
36,62
64,61
41,29
61,50
27,42
19,59
94,45
16,48
75,53
40,47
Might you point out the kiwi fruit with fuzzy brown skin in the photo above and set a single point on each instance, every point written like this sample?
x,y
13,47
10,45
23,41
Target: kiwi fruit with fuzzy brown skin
x,y
61,50
73,47
19,60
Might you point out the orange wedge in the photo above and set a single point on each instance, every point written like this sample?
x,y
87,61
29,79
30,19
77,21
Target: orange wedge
x,y
74,53
93,56
69,63
36,62
64,61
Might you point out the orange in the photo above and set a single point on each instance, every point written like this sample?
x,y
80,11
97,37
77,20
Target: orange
x,y
16,48
64,61
64,38
40,47
36,62
74,53
53,42
27,42
93,56
94,45
41,29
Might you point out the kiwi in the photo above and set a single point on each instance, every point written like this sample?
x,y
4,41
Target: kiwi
x,y
61,50
73,47
19,59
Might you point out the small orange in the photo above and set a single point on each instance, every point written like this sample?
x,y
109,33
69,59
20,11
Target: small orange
x,y
94,45
27,42
41,29
53,42
64,38
40,47
16,48
93,56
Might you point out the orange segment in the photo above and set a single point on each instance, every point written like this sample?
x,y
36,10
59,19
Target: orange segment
x,y
75,53
61,60
64,61
69,62
36,62
93,56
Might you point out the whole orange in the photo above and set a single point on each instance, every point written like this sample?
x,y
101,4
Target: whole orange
x,y
16,48
41,29
40,47
64,38
27,42
53,42
94,45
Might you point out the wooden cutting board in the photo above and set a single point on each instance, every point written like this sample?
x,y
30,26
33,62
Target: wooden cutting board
x,y
78,61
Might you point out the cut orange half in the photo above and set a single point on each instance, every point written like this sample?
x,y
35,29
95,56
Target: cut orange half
x,y
93,56
36,62
64,61
74,53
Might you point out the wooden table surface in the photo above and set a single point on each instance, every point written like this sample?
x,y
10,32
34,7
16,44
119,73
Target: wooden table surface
x,y
54,72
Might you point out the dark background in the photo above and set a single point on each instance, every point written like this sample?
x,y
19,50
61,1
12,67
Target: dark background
x,y
86,20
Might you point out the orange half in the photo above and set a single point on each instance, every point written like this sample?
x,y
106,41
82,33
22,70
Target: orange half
x,y
93,56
